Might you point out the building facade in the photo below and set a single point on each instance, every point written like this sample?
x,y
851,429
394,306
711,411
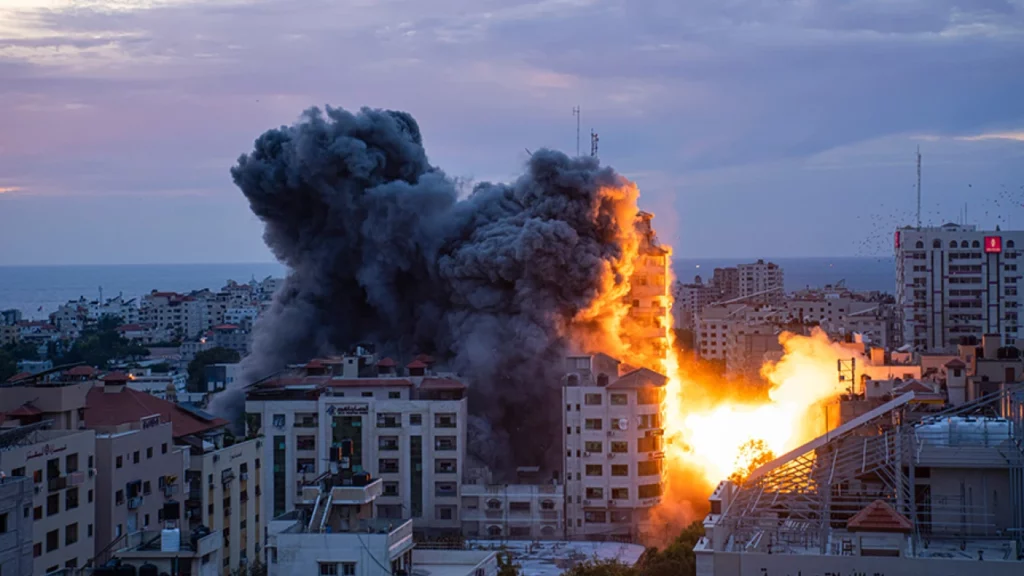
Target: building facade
x,y
59,466
513,511
16,496
613,447
956,281
409,431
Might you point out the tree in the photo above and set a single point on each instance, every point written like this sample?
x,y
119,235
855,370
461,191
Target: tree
x,y
677,559
507,566
602,568
197,367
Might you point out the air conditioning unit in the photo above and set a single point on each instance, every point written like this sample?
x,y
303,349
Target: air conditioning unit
x,y
92,472
586,454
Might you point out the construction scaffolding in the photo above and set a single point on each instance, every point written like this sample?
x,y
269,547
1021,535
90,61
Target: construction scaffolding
x,y
957,475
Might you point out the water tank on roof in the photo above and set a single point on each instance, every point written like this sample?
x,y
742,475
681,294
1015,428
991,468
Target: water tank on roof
x,y
148,569
360,479
170,540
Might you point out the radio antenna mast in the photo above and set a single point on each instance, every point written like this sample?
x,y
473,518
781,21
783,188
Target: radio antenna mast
x,y
576,113
593,142
919,187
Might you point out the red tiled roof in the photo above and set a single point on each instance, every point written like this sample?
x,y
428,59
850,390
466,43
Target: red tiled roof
x,y
225,327
115,377
315,363
956,363
416,364
105,408
82,370
387,363
639,378
879,517
25,409
441,384
283,381
20,376
366,382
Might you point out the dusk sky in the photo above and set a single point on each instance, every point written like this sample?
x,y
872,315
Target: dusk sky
x,y
753,127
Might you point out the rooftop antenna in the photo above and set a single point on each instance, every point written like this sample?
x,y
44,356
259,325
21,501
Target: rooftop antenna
x,y
576,113
593,142
918,187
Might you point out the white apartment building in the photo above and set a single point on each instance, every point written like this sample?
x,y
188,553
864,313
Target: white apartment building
x,y
649,294
613,447
241,315
60,466
409,431
689,301
954,281
760,277
513,511
15,525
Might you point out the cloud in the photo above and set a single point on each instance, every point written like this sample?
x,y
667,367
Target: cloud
x,y
9,189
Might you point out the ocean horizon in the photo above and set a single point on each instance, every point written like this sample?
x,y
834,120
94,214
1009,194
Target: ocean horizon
x,y
39,290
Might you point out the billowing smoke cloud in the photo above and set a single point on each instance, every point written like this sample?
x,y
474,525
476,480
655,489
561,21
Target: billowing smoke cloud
x,y
381,250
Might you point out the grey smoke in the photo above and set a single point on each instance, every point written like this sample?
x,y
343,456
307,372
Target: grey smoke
x,y
380,249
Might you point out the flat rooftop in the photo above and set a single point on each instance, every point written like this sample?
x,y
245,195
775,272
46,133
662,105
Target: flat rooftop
x,y
552,558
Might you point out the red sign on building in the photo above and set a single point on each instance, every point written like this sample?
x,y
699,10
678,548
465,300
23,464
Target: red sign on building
x,y
897,239
993,244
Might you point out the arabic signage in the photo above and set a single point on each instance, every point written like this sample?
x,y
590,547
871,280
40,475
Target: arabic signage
x,y
148,422
348,409
48,450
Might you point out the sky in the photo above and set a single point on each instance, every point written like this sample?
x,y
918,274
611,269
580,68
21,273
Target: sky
x,y
754,128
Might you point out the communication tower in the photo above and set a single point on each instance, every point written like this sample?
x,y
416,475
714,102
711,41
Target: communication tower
x,y
593,142
576,113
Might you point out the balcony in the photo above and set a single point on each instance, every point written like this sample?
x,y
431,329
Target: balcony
x,y
134,503
356,495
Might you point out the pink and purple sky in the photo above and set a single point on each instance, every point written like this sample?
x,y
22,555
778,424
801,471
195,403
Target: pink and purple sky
x,y
753,127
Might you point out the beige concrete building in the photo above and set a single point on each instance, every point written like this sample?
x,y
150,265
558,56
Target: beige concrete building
x,y
15,524
513,511
613,447
649,296
60,466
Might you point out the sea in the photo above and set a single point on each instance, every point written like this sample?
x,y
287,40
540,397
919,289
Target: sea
x,y
39,290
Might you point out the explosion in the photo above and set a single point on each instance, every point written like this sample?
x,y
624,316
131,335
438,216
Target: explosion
x,y
501,285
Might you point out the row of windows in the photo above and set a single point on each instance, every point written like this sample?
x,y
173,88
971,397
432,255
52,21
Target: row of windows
x,y
136,456
963,244
384,420
53,539
644,422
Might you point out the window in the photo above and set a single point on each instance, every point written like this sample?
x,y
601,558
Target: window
x,y
594,494
71,534
445,512
592,424
367,394
37,550
119,462
445,466
649,468
71,498
650,491
391,489
620,447
348,569
592,399
394,395
387,466
328,569
119,497
52,504
415,419
3,523
305,443
620,493
37,513
595,470
445,443
387,443
71,463
52,540
593,447
163,448
146,488
602,380
444,420
593,517
619,400
18,471
647,396
149,452
445,489
647,444
620,469
88,531
90,496
389,420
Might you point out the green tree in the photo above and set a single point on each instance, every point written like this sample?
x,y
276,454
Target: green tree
x,y
197,367
677,559
507,566
602,568
101,344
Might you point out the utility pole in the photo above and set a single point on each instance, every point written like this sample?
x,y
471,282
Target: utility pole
x,y
919,187
593,142
576,113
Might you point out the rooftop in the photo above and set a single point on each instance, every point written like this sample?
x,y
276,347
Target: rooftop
x,y
105,408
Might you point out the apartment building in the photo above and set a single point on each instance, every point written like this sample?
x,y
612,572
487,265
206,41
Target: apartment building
x,y
409,430
531,509
727,282
763,281
8,335
648,321
15,524
59,464
613,447
689,300
956,281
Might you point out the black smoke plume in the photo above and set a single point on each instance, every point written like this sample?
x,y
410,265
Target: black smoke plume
x,y
380,249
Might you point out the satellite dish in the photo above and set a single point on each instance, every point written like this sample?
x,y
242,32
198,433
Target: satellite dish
x,y
623,424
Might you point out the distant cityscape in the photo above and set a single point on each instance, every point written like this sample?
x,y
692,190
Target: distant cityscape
x,y
107,439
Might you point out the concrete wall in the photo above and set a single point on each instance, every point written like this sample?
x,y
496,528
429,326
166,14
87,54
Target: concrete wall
x,y
736,564
153,464
16,526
